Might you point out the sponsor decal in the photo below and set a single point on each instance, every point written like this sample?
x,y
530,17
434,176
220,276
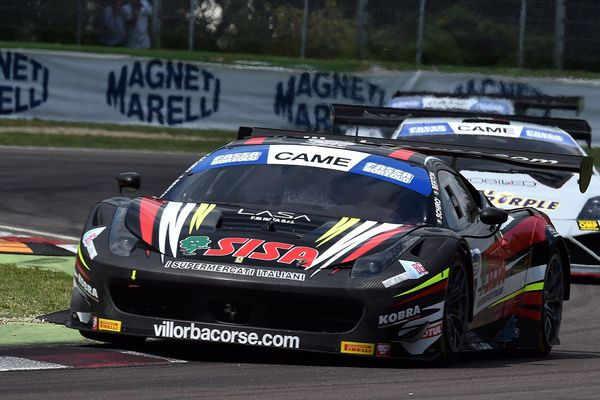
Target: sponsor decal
x,y
424,128
319,157
553,231
383,349
502,182
24,83
433,331
246,156
367,349
588,225
109,325
548,136
257,249
394,280
303,99
284,217
510,200
486,129
94,323
388,172
191,244
168,329
439,215
85,286
414,269
396,171
163,92
492,280
399,317
88,241
434,183
236,270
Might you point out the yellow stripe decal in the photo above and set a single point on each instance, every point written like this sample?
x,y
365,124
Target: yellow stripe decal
x,y
341,226
532,287
81,257
201,213
438,278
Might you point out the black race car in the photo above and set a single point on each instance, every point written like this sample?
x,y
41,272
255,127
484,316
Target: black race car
x,y
291,240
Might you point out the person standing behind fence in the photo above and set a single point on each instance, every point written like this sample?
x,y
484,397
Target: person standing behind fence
x,y
114,27
137,14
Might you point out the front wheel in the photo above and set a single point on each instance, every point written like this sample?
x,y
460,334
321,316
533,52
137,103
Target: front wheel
x,y
552,305
456,310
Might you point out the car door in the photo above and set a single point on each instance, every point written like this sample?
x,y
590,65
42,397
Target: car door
x,y
488,247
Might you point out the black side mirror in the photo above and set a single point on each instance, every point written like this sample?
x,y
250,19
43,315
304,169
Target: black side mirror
x,y
493,216
129,180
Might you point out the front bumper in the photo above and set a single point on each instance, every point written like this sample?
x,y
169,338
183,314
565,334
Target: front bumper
x,y
330,313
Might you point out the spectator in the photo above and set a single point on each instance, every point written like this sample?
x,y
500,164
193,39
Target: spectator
x,y
114,28
137,14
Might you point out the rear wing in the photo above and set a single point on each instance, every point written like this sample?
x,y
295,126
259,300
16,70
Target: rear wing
x,y
570,163
345,114
520,103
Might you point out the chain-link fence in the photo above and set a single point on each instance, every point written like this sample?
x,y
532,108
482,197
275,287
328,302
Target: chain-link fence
x,y
509,33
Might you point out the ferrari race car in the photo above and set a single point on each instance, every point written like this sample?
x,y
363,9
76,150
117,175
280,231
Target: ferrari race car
x,y
544,183
299,241
485,103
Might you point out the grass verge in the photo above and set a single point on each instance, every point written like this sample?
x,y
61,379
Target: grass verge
x,y
194,144
28,292
335,65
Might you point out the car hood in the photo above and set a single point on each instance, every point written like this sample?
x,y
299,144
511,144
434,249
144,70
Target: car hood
x,y
513,190
231,234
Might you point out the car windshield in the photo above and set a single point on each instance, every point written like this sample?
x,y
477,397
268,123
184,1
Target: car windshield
x,y
305,189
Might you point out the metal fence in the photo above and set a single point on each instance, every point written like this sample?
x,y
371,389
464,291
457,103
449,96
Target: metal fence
x,y
509,33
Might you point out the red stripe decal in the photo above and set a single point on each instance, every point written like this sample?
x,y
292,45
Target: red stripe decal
x,y
402,154
255,140
148,210
374,242
434,289
80,269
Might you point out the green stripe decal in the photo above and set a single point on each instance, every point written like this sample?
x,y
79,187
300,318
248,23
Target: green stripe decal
x,y
532,287
438,278
81,257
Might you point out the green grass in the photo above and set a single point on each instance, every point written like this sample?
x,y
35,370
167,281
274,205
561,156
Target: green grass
x,y
32,291
336,65
176,144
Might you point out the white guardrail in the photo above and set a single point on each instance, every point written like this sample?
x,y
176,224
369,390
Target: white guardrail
x,y
128,90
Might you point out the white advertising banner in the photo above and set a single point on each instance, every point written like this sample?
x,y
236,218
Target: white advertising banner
x,y
127,90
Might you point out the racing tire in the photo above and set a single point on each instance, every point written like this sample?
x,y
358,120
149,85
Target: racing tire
x,y
552,306
120,340
456,311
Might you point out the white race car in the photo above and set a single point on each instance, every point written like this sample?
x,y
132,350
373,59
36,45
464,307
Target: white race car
x,y
478,146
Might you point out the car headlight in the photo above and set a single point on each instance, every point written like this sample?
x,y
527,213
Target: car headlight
x,y
591,209
375,264
121,241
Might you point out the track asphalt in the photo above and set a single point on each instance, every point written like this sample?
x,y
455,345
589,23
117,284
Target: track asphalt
x,y
52,190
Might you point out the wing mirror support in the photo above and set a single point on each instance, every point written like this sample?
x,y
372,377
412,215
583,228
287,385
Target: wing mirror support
x,y
129,180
